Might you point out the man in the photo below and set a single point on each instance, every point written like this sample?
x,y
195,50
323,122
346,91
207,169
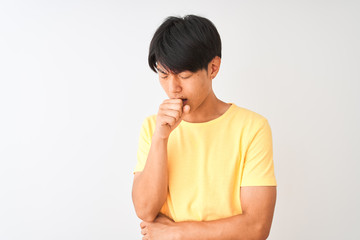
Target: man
x,y
205,168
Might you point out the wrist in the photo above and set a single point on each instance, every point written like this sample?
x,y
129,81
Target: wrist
x,y
159,137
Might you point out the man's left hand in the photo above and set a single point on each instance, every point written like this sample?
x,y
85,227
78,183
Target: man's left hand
x,y
163,228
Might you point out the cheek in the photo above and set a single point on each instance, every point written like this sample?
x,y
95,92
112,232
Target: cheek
x,y
204,87
197,92
197,87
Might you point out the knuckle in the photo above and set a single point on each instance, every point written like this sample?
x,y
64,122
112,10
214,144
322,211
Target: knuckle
x,y
172,121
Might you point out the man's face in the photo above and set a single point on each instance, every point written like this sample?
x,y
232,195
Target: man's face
x,y
192,87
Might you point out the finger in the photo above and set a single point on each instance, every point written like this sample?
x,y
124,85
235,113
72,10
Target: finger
x,y
144,231
168,120
173,106
173,100
186,109
165,109
172,113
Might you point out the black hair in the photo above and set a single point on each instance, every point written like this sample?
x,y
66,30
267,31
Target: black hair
x,y
187,43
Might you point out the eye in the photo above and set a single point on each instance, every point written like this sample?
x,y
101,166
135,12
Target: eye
x,y
163,76
185,77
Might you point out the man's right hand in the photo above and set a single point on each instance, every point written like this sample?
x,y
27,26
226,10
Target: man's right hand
x,y
169,116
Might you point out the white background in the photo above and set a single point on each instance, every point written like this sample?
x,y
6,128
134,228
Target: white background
x,y
75,87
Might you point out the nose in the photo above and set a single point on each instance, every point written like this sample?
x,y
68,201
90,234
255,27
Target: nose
x,y
174,84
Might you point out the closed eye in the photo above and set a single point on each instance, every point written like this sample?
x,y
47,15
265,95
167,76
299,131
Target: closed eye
x,y
185,77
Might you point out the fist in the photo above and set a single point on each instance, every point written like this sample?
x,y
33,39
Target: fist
x,y
169,116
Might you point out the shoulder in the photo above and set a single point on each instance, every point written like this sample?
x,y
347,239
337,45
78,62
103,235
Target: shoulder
x,y
248,117
250,123
148,125
150,120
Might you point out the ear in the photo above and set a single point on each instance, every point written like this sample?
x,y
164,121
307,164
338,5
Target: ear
x,y
214,67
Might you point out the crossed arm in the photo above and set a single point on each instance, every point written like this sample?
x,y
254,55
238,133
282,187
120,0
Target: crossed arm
x,y
258,206
150,191
258,203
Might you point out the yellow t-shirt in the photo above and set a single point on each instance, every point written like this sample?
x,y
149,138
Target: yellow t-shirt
x,y
209,162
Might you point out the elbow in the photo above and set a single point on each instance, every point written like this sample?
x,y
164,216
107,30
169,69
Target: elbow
x,y
147,208
261,232
145,215
145,212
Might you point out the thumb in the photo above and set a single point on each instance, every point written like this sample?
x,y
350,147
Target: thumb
x,y
186,109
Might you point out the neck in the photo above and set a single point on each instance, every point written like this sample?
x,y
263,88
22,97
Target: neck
x,y
209,109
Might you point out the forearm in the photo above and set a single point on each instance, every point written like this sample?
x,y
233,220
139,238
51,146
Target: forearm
x,y
150,188
232,228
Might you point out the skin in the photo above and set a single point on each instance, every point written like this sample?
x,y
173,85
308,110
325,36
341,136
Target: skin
x,y
254,223
197,88
150,185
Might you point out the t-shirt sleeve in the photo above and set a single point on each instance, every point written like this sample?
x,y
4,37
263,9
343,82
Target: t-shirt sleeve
x,y
258,165
143,145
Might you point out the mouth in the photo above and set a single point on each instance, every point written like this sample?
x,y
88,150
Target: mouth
x,y
184,100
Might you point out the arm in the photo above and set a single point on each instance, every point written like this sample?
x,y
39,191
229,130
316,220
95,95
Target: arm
x,y
257,203
150,186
